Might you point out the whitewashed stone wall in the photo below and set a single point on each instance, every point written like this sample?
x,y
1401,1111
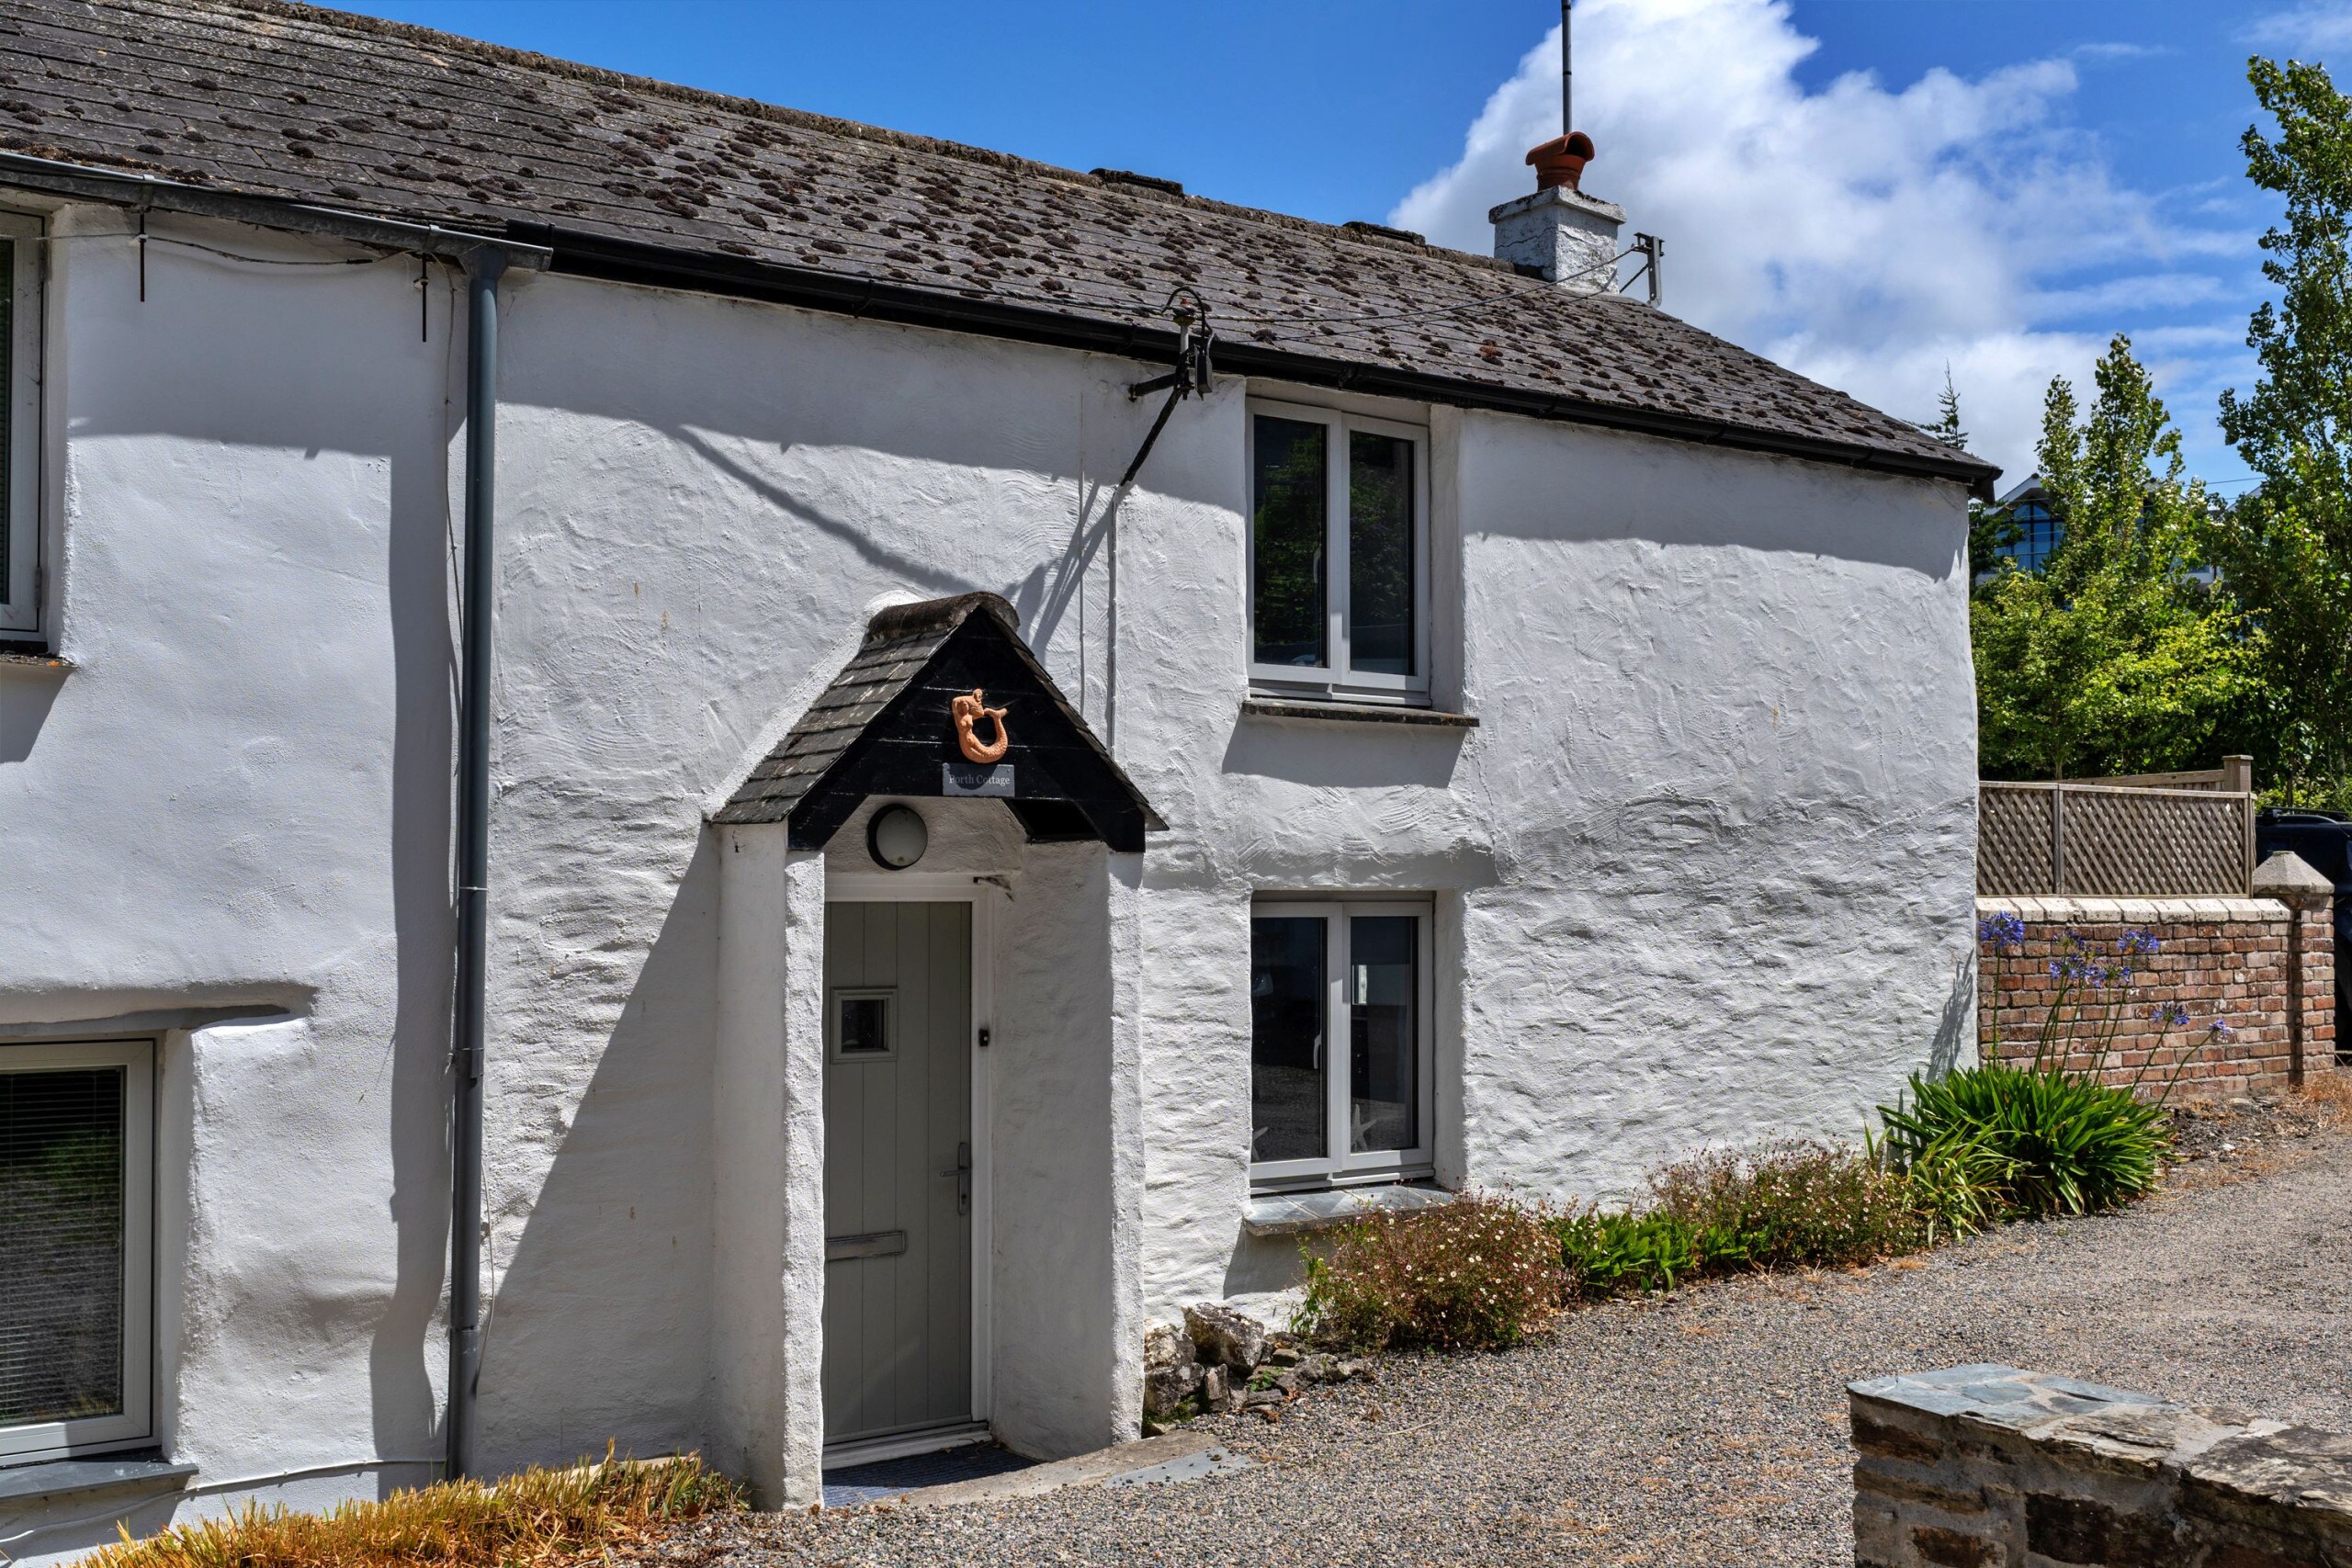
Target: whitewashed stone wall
x,y
1702,872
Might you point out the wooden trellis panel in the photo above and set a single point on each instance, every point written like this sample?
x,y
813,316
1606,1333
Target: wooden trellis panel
x,y
2013,841
2096,840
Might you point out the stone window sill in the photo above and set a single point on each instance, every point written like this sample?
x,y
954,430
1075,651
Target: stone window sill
x,y
45,1480
1354,713
30,656
1297,1213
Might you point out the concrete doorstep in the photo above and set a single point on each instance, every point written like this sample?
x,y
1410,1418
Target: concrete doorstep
x,y
1176,1456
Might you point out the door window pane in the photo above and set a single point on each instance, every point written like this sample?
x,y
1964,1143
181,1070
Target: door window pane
x,y
1384,993
61,1236
865,1026
1287,1018
1380,554
1290,500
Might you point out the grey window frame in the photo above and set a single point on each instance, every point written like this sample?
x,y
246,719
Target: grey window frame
x,y
135,1423
1339,680
20,507
1337,1167
834,1048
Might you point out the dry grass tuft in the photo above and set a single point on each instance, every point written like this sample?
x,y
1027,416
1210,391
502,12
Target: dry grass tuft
x,y
2329,1094
2225,1141
543,1516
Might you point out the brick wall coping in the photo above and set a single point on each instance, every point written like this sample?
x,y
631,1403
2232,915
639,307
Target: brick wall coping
x,y
2133,911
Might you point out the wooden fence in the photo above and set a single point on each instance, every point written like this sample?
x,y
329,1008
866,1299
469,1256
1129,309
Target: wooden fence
x,y
2172,835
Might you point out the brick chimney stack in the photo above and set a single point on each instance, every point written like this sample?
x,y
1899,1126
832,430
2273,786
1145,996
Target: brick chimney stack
x,y
1568,236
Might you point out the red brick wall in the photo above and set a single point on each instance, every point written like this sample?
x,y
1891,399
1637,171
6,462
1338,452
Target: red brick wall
x,y
2216,958
2319,990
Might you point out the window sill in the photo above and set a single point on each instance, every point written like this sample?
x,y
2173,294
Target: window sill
x,y
1297,1213
45,1480
30,656
1354,713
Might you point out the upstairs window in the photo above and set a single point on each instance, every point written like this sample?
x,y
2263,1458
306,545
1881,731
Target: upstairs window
x,y
1340,1079
1339,555
20,267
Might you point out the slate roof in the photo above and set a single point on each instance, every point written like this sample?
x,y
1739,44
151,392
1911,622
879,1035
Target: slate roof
x,y
900,644
274,99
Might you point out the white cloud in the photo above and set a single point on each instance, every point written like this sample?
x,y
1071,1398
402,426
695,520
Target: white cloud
x,y
2317,24
1862,235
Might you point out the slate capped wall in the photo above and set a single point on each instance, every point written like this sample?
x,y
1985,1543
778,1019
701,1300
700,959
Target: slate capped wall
x,y
1990,1467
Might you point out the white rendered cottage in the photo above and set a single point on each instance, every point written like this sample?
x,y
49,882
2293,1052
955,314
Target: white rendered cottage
x,y
1489,732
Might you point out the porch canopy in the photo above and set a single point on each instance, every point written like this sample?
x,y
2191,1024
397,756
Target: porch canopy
x,y
887,725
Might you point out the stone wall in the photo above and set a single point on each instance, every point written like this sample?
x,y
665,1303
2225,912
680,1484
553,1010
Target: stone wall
x,y
1990,1467
2215,958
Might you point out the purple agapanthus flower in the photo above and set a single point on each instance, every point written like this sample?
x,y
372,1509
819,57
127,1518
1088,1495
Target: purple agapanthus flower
x,y
2170,1015
2004,930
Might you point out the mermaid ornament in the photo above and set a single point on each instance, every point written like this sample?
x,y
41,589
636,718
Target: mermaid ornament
x,y
969,708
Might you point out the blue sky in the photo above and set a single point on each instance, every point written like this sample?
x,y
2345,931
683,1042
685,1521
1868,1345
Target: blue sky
x,y
1868,190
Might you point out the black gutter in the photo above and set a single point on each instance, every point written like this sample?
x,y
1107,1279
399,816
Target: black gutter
x,y
484,268
599,256
156,193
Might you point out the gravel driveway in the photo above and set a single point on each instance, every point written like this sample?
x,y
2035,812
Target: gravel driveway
x,y
1704,1428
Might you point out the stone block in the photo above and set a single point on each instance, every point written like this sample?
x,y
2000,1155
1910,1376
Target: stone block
x,y
1165,1345
2080,1530
1878,1532
1224,1337
1956,1548
1895,1487
1166,1387
1887,1440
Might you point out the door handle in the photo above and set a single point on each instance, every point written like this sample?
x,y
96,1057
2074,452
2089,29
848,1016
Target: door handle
x,y
962,1175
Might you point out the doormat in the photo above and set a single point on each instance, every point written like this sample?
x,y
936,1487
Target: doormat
x,y
891,1477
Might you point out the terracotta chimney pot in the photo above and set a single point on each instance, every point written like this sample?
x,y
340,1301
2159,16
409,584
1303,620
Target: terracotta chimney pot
x,y
1561,160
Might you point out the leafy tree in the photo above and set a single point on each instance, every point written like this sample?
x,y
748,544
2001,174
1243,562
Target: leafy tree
x,y
2285,550
2114,658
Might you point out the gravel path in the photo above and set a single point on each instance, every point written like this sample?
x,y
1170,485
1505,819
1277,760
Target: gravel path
x,y
1704,1428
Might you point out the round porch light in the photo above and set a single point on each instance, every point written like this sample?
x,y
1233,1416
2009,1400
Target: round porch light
x,y
896,836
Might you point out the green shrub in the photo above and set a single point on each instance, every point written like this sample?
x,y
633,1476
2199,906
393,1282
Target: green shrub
x,y
1606,1255
1476,1275
2060,1142
1959,1186
1791,1204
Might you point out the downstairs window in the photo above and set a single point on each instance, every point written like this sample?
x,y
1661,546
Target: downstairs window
x,y
1339,1042
76,1158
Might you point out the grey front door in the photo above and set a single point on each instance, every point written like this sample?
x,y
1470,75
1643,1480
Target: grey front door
x,y
898,1167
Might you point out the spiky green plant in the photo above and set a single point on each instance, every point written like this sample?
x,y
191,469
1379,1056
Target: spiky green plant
x,y
2066,1143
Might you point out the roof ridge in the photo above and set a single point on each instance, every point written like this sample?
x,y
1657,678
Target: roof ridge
x,y
808,120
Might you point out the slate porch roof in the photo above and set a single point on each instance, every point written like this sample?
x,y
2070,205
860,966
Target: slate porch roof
x,y
300,103
900,645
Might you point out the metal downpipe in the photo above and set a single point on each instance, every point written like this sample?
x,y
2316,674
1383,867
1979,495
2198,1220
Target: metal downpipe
x,y
484,268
